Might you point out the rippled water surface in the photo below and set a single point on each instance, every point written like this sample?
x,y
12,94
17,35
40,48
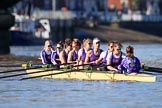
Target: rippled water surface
x,y
51,93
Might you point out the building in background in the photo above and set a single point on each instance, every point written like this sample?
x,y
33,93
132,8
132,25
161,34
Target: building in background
x,y
65,15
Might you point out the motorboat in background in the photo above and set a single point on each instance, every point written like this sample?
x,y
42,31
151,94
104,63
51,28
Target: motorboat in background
x,y
29,31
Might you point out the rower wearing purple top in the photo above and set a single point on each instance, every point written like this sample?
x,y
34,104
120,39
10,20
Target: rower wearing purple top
x,y
104,54
114,58
130,63
64,53
73,54
55,57
46,52
83,51
93,55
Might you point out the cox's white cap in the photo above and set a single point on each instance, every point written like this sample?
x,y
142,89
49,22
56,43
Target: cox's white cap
x,y
58,46
96,40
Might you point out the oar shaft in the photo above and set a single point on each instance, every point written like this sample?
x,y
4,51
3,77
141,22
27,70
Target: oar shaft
x,y
148,67
153,70
12,71
10,65
35,67
7,76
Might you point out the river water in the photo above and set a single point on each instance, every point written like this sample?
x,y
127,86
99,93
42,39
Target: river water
x,y
51,93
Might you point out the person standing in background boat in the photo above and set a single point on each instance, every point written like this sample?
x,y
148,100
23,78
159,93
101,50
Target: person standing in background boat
x,y
46,52
104,54
130,63
73,54
55,56
93,55
64,53
83,51
114,58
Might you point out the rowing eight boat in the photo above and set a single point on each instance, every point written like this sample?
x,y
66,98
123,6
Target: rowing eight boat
x,y
94,75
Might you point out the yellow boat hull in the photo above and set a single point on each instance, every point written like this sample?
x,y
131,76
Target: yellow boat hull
x,y
95,75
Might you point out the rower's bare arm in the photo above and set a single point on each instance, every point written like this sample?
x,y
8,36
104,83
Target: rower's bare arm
x,y
99,60
79,61
109,67
87,57
62,58
69,60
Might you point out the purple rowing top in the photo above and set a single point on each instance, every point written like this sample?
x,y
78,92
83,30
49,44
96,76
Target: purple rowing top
x,y
46,57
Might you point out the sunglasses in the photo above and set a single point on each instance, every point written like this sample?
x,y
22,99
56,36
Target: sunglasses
x,y
59,47
89,43
111,46
97,42
119,49
49,45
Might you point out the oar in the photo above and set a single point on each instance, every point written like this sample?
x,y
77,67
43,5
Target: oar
x,y
35,67
152,69
8,76
16,70
148,67
18,65
10,65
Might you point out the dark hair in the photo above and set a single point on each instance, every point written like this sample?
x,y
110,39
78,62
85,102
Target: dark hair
x,y
76,42
111,41
117,43
129,51
67,42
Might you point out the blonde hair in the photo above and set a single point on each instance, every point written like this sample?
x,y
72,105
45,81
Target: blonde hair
x,y
86,41
61,44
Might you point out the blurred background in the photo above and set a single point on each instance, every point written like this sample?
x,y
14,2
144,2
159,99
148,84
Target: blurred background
x,y
124,20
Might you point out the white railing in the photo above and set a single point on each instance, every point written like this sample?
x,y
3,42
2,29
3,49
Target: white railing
x,y
53,15
109,17
134,17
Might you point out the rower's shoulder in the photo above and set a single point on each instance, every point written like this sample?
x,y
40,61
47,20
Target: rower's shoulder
x,y
62,53
81,50
43,52
71,52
